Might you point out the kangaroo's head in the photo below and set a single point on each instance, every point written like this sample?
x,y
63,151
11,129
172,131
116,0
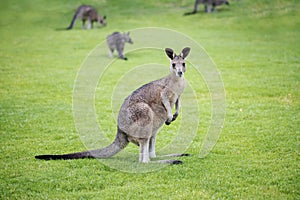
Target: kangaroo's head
x,y
178,61
102,20
127,38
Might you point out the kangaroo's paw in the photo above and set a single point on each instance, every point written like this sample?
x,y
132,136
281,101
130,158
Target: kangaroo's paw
x,y
175,116
170,119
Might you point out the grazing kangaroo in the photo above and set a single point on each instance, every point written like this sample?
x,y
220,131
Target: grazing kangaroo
x,y
209,5
87,13
143,113
117,41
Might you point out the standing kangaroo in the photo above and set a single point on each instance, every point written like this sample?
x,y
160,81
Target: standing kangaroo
x,y
116,41
143,113
87,13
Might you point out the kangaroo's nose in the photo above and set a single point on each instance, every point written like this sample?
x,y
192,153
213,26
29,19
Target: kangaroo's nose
x,y
180,73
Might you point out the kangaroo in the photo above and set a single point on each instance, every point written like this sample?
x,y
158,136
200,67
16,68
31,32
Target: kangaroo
x,y
143,113
117,41
209,5
87,13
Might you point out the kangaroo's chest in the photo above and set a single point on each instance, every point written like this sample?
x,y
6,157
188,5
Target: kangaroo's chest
x,y
172,96
172,92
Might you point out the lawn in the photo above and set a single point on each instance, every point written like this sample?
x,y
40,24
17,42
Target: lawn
x,y
252,48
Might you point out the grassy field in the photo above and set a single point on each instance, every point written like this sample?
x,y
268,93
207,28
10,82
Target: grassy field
x,y
255,46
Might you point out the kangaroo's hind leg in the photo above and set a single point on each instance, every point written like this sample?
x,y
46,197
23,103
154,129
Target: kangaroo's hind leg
x,y
152,142
152,153
111,52
90,24
120,50
83,23
144,150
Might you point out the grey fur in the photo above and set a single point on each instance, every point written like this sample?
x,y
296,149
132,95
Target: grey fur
x,y
143,113
87,13
116,41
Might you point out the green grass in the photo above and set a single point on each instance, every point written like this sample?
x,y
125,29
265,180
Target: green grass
x,y
255,45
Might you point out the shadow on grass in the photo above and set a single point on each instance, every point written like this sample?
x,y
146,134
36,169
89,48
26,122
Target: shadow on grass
x,y
61,29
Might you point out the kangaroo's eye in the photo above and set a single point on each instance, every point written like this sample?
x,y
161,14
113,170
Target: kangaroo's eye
x,y
173,65
183,64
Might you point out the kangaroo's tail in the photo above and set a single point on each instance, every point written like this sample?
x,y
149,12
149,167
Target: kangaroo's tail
x,y
119,143
73,20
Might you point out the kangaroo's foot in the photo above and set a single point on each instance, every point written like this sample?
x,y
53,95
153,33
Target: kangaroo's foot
x,y
171,162
174,155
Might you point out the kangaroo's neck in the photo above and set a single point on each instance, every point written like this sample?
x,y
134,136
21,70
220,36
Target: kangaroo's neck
x,y
175,83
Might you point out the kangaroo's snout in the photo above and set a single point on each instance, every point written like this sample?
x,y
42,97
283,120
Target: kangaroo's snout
x,y
103,22
180,73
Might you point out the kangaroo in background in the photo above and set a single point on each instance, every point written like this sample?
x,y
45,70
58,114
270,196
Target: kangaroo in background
x,y
117,41
87,13
209,5
143,113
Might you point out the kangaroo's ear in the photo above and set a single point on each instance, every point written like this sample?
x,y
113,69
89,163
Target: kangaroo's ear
x,y
170,53
185,52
